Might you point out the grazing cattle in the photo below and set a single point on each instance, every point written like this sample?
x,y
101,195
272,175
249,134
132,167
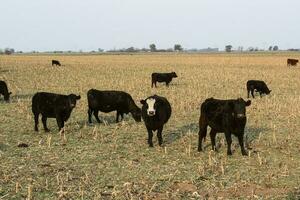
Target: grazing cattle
x,y
4,91
108,101
162,77
56,62
51,105
292,62
156,111
258,86
226,116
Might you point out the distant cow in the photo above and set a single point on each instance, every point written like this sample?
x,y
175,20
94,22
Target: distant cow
x,y
108,101
56,62
51,105
156,111
292,62
162,77
258,86
226,116
4,91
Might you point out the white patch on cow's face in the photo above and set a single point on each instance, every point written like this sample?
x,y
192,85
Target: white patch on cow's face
x,y
150,110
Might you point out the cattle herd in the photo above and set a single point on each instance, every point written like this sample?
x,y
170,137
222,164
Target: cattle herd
x,y
223,116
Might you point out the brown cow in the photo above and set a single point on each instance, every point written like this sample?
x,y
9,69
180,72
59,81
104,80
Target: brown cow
x,y
292,62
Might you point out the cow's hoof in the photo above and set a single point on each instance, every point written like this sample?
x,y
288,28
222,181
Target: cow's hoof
x,y
245,153
229,153
47,130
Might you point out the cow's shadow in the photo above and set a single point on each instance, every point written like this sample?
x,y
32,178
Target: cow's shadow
x,y
4,70
252,133
17,97
180,132
105,120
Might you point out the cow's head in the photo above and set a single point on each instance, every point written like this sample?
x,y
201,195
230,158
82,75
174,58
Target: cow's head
x,y
174,75
6,96
72,100
137,114
238,107
150,105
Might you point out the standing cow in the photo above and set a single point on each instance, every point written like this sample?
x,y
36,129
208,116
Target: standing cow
x,y
226,116
108,101
162,77
258,86
51,105
156,111
56,62
292,62
4,91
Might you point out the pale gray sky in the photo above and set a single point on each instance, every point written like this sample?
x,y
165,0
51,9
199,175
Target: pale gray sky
x,y
91,24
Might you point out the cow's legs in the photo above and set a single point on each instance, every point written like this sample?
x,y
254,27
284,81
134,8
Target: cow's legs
x,y
90,112
241,142
229,141
248,92
152,83
150,136
44,120
96,112
119,114
159,136
252,93
202,132
36,122
213,139
60,122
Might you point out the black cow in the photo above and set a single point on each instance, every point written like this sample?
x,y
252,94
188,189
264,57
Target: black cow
x,y
4,91
156,111
108,101
258,86
56,62
292,62
228,116
51,105
162,77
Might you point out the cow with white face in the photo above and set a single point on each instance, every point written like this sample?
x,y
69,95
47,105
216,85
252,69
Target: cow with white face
x,y
156,111
150,106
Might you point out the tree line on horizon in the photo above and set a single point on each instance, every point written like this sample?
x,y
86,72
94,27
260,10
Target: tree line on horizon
x,y
153,48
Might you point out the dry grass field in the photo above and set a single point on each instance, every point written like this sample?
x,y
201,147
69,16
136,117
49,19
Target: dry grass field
x,y
113,161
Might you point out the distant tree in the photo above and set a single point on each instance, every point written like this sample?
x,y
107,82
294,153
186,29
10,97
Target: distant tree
x,y
100,50
1,51
152,47
178,47
9,51
228,48
270,48
256,49
130,49
275,48
240,48
250,49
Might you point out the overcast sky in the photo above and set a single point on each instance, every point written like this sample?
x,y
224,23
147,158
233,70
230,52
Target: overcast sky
x,y
91,24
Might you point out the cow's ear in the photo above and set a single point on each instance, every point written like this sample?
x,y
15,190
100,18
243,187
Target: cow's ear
x,y
78,97
270,91
9,93
142,102
248,103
